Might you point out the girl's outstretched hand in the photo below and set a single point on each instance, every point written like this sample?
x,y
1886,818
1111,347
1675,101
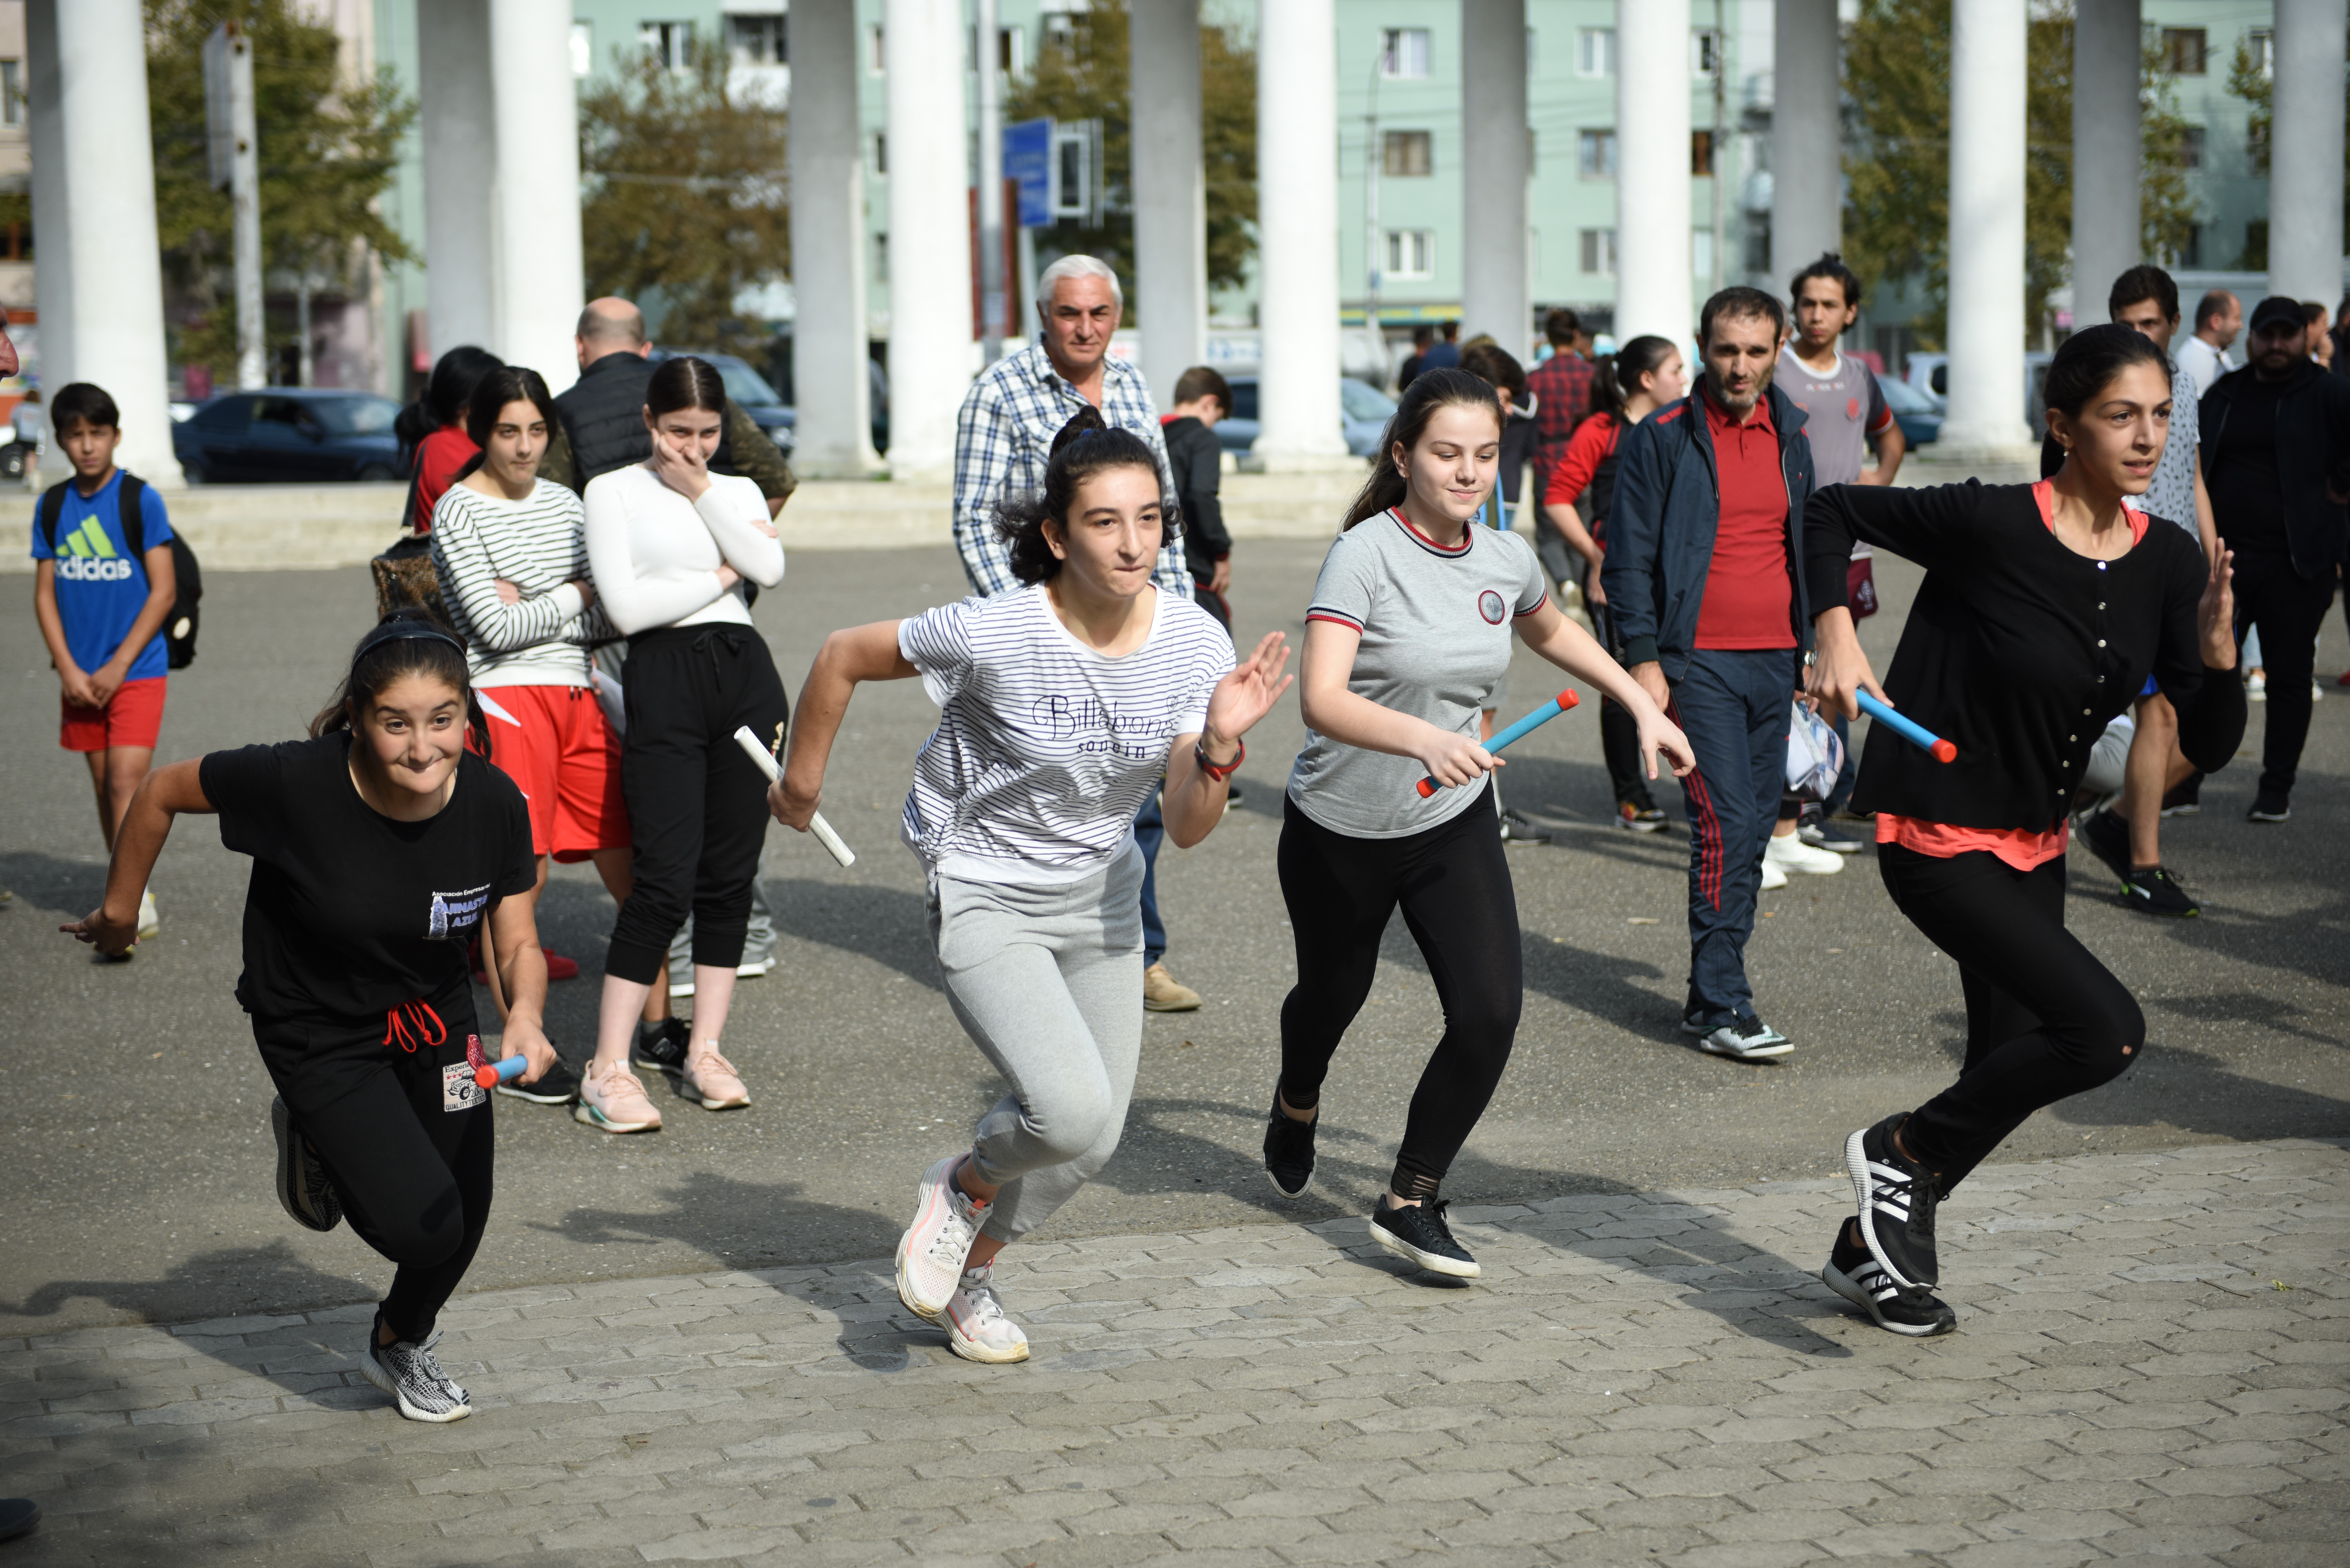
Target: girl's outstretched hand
x,y
1248,693
2216,615
1661,737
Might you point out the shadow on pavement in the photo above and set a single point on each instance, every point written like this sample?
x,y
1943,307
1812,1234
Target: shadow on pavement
x,y
70,889
884,924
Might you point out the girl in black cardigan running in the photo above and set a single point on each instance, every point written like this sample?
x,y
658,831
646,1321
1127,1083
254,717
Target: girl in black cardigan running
x,y
2043,609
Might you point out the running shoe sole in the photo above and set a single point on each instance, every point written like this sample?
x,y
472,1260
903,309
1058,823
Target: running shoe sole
x,y
1856,1165
1772,1044
381,1380
289,1169
709,1103
1843,1284
1432,1262
588,1116
532,1094
973,1350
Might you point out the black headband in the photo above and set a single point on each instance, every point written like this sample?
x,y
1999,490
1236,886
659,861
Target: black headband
x,y
396,631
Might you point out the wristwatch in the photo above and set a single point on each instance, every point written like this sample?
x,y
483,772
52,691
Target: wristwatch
x,y
1213,770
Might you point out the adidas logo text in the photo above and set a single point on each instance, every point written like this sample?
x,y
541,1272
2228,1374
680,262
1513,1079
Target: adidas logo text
x,y
78,569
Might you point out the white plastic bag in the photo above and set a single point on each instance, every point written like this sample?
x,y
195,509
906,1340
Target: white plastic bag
x,y
1815,755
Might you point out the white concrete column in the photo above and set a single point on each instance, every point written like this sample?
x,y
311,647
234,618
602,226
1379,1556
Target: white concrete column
x,y
541,283
455,91
1654,259
1806,137
832,391
2306,152
53,276
1988,70
116,313
1297,236
1171,192
932,351
987,71
1496,292
2106,152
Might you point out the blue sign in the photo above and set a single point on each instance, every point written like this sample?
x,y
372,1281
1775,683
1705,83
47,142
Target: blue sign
x,y
1028,160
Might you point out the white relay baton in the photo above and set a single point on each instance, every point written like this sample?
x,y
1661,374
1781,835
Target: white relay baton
x,y
819,827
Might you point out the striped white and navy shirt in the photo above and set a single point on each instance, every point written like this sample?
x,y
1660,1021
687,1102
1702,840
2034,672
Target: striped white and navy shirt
x,y
1046,749
539,544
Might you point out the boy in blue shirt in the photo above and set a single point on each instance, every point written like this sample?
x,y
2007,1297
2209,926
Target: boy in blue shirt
x,y
101,603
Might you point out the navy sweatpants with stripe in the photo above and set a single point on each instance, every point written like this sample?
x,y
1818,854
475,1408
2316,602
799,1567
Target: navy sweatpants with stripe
x,y
1732,706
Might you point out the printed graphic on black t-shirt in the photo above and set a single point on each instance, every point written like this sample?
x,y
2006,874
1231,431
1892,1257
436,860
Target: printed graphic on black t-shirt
x,y
351,913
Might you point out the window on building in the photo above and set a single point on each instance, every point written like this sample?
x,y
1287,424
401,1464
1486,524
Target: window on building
x,y
880,258
671,43
12,92
1594,154
1705,51
1012,52
1700,152
875,59
1702,252
1594,52
2190,147
583,50
1407,153
1412,254
757,40
1599,251
2182,51
2260,43
1403,52
876,155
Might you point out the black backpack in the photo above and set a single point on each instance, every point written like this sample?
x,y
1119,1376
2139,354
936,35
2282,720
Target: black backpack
x,y
180,626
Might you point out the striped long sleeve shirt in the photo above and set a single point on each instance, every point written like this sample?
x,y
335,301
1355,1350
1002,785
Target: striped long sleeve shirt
x,y
539,544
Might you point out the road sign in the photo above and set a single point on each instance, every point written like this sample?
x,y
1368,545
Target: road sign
x,y
1028,161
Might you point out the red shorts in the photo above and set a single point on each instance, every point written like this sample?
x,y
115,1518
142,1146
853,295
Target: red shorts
x,y
134,717
553,741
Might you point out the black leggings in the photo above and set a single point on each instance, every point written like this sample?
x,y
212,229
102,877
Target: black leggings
x,y
2046,1019
1453,882
1620,732
414,1175
697,806
2289,609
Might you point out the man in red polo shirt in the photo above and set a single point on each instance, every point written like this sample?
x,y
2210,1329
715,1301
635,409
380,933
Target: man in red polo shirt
x,y
1703,543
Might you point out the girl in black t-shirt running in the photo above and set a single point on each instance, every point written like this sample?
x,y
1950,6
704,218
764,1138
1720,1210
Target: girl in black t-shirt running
x,y
379,846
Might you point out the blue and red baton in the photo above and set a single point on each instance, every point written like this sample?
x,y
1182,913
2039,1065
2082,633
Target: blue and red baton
x,y
1517,732
488,1073
1908,728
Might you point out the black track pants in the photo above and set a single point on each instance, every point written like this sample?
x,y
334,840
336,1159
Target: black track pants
x,y
2046,1019
1620,732
414,1174
1453,882
2288,608
697,806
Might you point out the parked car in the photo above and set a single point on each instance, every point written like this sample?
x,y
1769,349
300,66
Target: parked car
x,y
1919,414
748,391
1932,373
1363,410
302,435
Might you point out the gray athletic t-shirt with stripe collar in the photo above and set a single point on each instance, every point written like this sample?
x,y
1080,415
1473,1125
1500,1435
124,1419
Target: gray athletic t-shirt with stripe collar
x,y
1435,626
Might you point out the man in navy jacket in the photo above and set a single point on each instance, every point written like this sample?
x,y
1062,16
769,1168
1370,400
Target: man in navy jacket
x,y
1703,574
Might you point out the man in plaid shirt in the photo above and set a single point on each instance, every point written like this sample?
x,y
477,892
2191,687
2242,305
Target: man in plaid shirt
x,y
1561,386
1004,437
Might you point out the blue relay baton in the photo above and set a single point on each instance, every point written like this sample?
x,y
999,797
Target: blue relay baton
x,y
1519,731
1908,728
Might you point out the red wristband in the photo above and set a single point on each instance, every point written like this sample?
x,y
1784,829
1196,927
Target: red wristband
x,y
1199,755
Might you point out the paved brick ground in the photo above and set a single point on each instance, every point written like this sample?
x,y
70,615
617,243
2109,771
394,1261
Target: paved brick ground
x,y
2151,1365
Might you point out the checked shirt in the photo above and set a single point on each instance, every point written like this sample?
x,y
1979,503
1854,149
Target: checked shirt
x,y
1003,437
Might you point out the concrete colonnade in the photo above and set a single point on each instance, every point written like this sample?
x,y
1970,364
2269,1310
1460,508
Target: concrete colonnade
x,y
1988,72
933,340
2305,151
1497,285
1806,136
1297,235
1171,192
1653,281
2107,214
833,436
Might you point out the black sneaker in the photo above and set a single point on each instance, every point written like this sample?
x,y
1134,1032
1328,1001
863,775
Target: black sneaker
x,y
1418,1234
2107,837
304,1191
1288,1149
2155,891
2270,805
661,1046
1638,818
18,1516
407,1371
558,1085
1517,829
2187,800
1897,1200
1861,1279
1747,1039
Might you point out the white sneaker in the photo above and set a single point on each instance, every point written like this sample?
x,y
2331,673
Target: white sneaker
x,y
977,1329
150,922
932,1252
1793,855
755,967
1772,877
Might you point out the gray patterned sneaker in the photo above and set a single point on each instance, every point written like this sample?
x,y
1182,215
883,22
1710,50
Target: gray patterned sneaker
x,y
407,1372
303,1188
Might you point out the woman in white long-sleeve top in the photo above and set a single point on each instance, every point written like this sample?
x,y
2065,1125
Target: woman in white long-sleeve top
x,y
670,544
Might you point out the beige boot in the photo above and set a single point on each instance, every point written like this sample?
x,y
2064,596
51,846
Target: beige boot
x,y
1162,993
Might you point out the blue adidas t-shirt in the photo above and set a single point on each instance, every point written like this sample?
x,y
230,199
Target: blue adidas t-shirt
x,y
101,586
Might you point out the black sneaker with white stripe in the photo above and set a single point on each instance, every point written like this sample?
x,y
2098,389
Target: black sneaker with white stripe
x,y
1417,1232
558,1085
661,1046
1747,1039
1861,1279
1897,1198
303,1189
407,1372
1288,1149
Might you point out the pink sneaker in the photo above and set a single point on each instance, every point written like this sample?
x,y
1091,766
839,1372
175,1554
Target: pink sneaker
x,y
612,1100
711,1079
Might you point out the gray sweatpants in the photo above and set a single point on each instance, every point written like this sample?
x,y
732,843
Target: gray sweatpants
x,y
1048,981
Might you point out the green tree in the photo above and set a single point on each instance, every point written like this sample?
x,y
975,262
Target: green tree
x,y
2248,81
328,147
1082,74
687,198
1897,71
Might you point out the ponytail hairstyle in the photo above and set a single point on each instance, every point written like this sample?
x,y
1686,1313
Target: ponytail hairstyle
x,y
1430,390
685,383
502,385
410,640
1085,446
447,395
1617,380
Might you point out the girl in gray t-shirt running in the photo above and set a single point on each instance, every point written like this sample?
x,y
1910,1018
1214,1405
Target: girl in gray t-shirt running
x,y
1406,636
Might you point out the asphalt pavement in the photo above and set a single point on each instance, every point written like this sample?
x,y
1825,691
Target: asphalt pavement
x,y
136,1107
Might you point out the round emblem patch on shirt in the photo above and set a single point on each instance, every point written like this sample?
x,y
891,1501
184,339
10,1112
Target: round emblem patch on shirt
x,y
1852,408
1490,606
